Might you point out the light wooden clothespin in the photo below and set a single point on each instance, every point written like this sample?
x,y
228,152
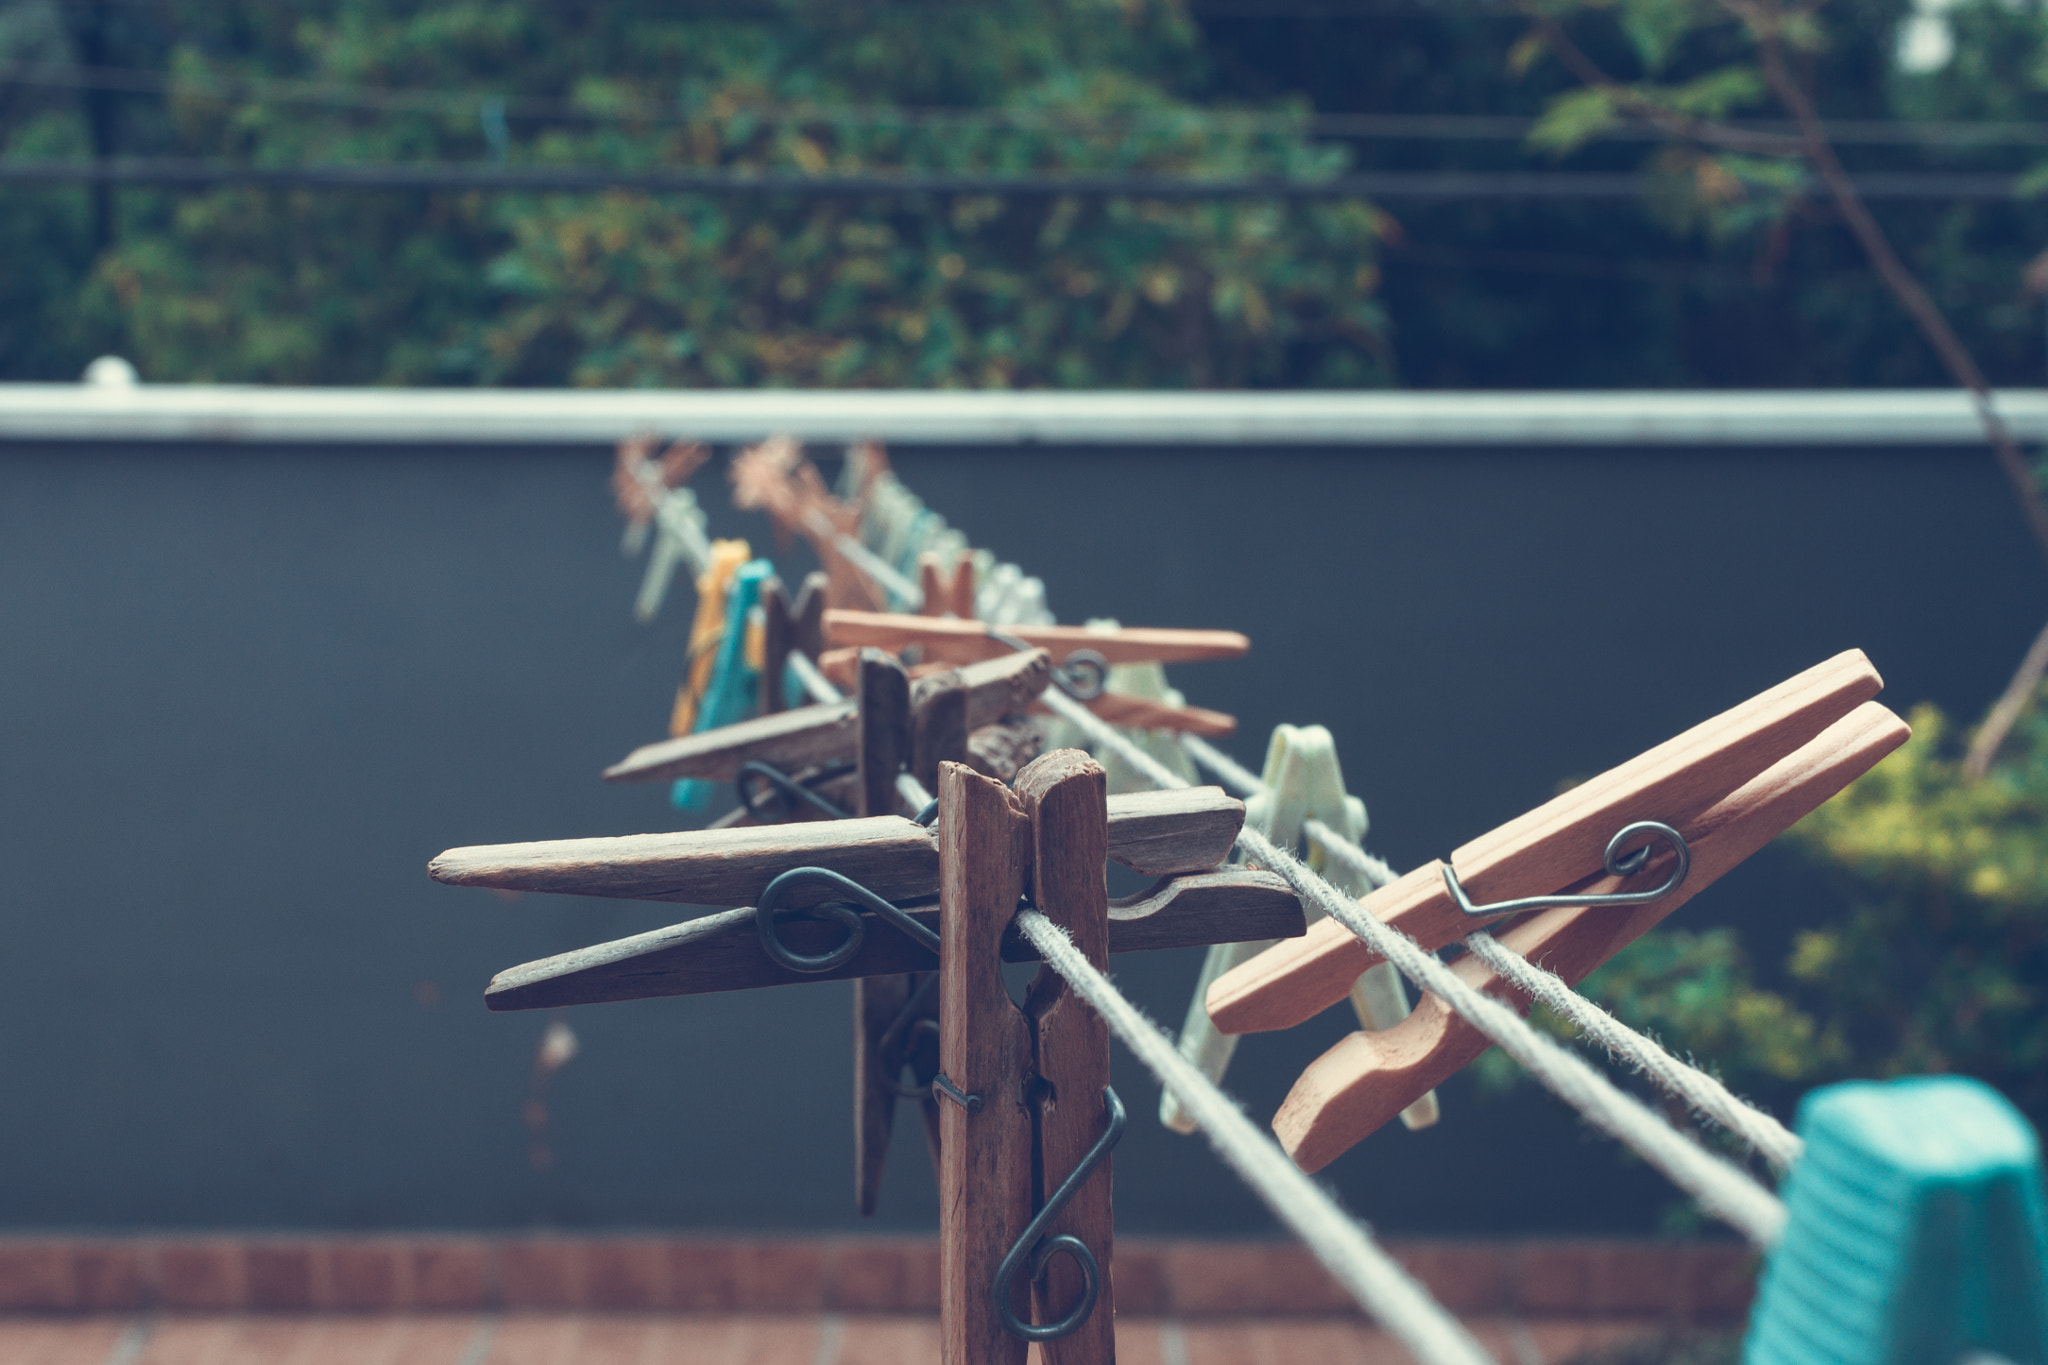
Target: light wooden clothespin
x,y
1302,782
1027,1118
1716,794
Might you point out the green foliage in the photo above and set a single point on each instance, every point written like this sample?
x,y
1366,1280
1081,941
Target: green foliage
x,y
622,288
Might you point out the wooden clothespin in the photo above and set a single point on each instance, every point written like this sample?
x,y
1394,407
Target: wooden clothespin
x,y
1722,790
966,641
789,628
946,594
838,899
1302,781
945,641
1028,1115
774,477
825,733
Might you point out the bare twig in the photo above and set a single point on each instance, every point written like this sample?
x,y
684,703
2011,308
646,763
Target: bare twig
x,y
1634,104
2011,706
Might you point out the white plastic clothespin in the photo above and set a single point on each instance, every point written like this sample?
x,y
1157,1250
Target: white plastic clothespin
x,y
1302,782
678,539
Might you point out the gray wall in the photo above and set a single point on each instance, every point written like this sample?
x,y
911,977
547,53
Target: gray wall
x,y
247,693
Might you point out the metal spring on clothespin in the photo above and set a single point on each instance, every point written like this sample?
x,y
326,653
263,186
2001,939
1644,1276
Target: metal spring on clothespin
x,y
1619,864
752,774
1081,675
1038,1251
843,912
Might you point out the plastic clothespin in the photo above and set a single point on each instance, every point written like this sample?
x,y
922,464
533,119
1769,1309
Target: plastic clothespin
x,y
730,684
1302,782
1917,1232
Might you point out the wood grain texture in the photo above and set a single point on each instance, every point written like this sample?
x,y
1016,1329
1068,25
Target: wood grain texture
x,y
984,1157
884,731
1064,793
1161,833
824,732
722,951
1368,1078
1560,843
1001,750
938,725
893,856
1157,834
966,641
801,737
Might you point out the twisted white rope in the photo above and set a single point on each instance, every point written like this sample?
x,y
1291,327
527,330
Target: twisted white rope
x,y
1718,1186
1702,1092
1379,1284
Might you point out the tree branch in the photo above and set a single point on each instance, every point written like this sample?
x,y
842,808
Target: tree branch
x,y
1633,104
2011,706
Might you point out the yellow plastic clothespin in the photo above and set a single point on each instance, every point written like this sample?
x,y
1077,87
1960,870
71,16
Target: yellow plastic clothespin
x,y
1302,782
707,630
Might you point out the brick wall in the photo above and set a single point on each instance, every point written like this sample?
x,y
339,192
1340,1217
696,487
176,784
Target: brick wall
x,y
1705,1282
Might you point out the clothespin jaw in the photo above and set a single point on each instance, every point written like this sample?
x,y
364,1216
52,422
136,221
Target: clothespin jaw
x,y
946,594
1363,1081
789,628
1917,1231
1302,781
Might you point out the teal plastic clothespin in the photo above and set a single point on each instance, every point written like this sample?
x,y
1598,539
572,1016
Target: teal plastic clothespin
x,y
735,684
1916,1232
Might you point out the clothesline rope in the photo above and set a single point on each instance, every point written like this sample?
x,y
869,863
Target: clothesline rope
x,y
1718,1186
1375,1279
1702,1093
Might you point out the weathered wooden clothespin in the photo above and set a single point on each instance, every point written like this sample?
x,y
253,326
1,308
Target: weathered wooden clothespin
x,y
1574,880
1302,781
789,628
1024,1137
1029,1117
825,733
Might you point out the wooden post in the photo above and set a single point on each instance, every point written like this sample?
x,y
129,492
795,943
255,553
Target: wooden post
x,y
883,731
1065,794
984,1156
